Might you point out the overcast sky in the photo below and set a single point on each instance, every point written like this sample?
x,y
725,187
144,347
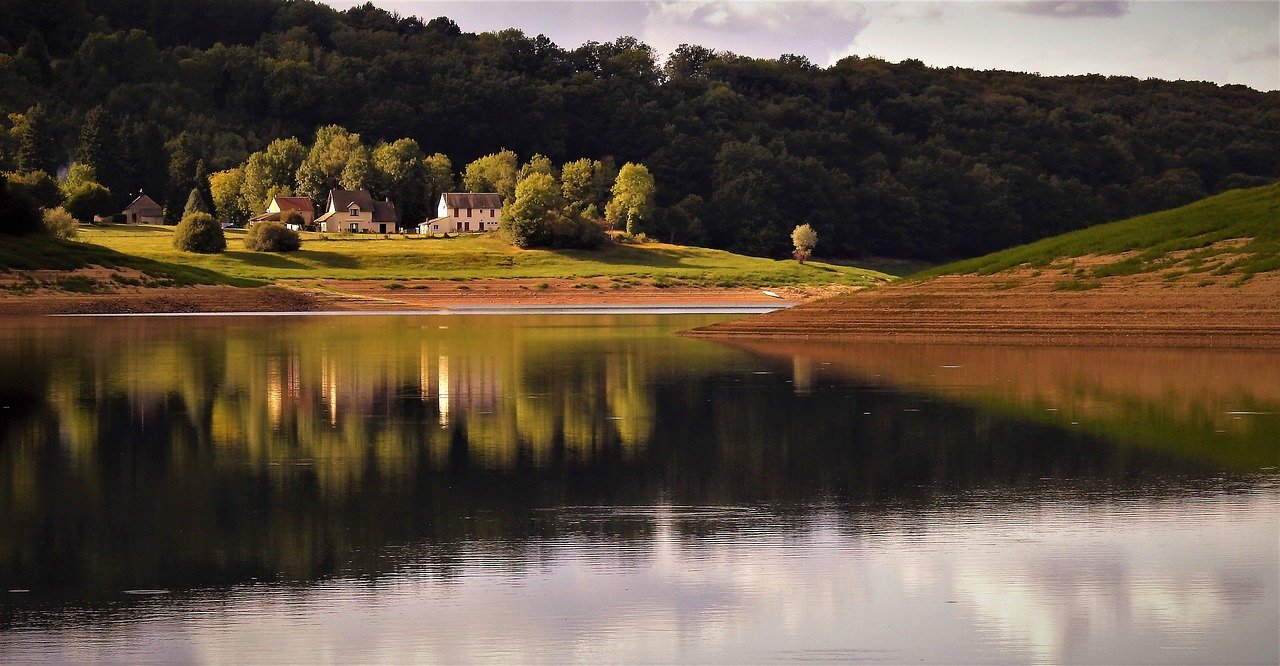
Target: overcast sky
x,y
1221,41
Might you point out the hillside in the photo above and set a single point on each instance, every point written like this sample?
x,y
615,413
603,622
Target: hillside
x,y
883,159
1203,275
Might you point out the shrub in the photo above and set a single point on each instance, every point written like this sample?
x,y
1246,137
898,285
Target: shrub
x,y
58,222
86,201
199,232
271,237
18,212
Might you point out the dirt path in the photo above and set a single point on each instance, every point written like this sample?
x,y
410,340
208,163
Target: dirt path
x,y
1027,307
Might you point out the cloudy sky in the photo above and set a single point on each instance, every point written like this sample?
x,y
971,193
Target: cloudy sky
x,y
1222,41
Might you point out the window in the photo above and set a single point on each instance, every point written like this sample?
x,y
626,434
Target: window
x,y
355,226
490,212
355,211
468,212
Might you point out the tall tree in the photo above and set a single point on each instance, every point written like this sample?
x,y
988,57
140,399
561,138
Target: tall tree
x,y
493,173
321,171
402,176
37,148
358,173
270,172
224,188
633,195
440,179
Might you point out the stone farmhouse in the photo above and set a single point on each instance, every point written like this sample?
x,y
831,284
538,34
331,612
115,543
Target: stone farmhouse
x,y
356,211
466,212
143,210
282,206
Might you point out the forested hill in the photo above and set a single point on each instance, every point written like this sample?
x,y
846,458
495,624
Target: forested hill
x,y
881,158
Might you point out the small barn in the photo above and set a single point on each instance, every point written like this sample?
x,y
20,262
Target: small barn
x,y
144,210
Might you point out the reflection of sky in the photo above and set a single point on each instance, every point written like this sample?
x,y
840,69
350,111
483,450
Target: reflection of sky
x,y
1192,580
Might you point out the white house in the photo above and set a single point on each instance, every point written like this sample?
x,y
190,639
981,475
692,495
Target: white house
x,y
466,212
356,211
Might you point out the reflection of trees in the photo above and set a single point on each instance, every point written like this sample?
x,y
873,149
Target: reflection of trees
x,y
183,453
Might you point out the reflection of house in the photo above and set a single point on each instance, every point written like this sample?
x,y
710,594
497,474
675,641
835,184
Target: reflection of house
x,y
467,212
280,207
356,211
144,210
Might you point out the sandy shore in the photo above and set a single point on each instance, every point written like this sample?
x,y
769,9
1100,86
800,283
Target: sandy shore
x,y
1028,308
390,295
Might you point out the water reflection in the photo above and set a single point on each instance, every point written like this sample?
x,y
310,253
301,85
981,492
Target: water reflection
x,y
544,488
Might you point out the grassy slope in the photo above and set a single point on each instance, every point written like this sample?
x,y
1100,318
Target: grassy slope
x,y
1252,214
23,253
375,257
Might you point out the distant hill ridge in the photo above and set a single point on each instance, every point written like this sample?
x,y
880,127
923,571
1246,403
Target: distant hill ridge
x,y
882,159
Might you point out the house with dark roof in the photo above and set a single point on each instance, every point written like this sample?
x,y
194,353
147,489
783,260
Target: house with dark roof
x,y
466,212
143,210
280,207
356,211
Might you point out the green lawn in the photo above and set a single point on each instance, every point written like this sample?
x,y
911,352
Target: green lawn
x,y
22,253
1251,217
376,257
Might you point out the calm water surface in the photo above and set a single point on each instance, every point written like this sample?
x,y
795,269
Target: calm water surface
x,y
591,488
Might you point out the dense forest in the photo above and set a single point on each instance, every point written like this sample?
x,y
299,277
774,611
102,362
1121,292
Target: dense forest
x,y
880,158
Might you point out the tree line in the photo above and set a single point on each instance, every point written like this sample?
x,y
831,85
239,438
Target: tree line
x,y
894,159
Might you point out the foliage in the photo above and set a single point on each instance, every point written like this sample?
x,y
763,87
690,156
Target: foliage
x,y
269,173
196,203
804,238
527,219
40,186
18,211
225,186
632,200
86,199
889,159
493,173
401,175
199,233
358,172
59,223
271,237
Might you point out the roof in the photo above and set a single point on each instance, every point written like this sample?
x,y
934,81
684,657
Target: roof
x,y
342,200
384,211
143,202
294,203
472,200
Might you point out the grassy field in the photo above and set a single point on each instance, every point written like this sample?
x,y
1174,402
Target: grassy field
x,y
469,257
1236,233
26,253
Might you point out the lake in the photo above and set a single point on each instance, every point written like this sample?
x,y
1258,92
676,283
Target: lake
x,y
550,488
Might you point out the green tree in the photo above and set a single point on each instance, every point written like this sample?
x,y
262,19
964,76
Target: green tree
x,y
358,173
224,188
537,164
83,196
493,173
42,188
805,239
403,177
99,145
632,201
196,203
439,179
585,184
270,172
19,214
37,148
325,161
527,219
200,233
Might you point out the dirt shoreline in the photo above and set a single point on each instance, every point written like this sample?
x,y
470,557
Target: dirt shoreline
x,y
1028,307
389,295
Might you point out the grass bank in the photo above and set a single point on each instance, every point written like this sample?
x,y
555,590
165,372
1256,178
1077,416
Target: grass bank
x,y
1236,234
35,253
474,257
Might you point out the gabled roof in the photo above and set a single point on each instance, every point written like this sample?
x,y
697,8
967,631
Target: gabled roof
x,y
342,200
294,203
472,200
143,202
384,211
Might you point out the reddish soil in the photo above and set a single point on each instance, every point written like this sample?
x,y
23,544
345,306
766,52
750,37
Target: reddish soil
x,y
1028,307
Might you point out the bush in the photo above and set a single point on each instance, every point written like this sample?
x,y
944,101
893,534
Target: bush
x,y
89,200
58,222
18,211
199,232
271,237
